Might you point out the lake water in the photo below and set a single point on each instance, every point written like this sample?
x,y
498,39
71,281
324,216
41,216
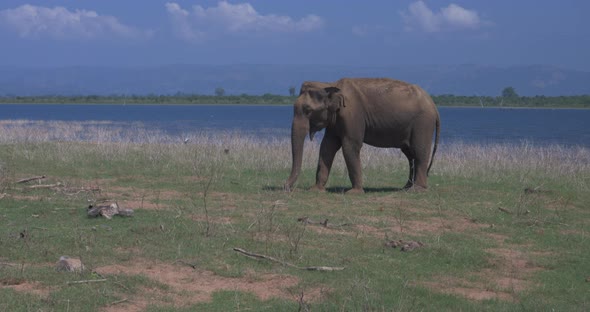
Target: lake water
x,y
568,127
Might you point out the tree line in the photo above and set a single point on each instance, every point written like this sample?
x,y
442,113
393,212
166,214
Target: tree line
x,y
508,98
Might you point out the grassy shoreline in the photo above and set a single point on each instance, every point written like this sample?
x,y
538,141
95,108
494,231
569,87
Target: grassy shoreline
x,y
578,101
504,227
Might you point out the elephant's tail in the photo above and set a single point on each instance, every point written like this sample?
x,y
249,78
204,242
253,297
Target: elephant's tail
x,y
436,137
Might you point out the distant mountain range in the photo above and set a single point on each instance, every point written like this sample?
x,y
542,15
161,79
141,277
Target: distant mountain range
x,y
276,79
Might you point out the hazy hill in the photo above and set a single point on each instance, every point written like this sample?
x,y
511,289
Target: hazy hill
x,y
276,79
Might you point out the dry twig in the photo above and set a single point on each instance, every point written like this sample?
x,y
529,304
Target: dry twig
x,y
118,301
41,186
312,268
87,281
25,180
324,223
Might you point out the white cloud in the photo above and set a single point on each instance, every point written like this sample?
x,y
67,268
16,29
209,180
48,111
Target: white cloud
x,y
30,21
453,17
234,18
460,17
182,25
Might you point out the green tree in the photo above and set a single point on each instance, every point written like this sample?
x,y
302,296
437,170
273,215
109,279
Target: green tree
x,y
509,92
219,91
291,91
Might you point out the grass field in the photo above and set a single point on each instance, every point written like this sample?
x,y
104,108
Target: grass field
x,y
503,227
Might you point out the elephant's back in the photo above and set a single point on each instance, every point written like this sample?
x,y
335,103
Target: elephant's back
x,y
380,87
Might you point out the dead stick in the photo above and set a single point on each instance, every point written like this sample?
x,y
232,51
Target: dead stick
x,y
31,179
258,256
194,266
505,210
118,301
87,281
313,268
306,220
43,186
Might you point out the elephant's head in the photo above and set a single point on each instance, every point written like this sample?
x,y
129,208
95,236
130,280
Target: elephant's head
x,y
315,109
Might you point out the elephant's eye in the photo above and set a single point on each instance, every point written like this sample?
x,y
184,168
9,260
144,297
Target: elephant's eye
x,y
317,96
306,109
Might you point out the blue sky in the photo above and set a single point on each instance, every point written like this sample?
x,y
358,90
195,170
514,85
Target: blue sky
x,y
357,33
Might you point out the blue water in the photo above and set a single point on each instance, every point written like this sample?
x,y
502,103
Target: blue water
x,y
472,125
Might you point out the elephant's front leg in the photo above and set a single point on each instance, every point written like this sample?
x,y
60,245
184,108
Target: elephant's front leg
x,y
330,145
352,156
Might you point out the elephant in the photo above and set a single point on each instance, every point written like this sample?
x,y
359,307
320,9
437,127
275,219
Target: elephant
x,y
381,112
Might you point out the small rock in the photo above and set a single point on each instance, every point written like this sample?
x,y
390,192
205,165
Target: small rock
x,y
393,243
588,279
409,246
108,211
67,264
405,245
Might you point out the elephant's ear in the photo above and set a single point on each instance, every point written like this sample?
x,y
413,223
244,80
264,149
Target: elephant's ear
x,y
335,99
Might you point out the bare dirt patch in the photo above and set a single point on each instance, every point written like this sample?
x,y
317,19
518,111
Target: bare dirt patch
x,y
509,276
189,286
512,261
426,226
498,238
390,203
470,290
137,198
19,285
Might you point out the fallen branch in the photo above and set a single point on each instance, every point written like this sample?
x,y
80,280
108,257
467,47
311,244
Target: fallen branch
x,y
312,268
532,222
118,301
505,210
40,186
87,281
324,223
194,266
25,180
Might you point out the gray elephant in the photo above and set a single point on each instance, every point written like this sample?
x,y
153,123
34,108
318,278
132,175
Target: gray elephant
x,y
378,111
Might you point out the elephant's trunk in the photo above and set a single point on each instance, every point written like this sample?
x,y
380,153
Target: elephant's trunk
x,y
299,130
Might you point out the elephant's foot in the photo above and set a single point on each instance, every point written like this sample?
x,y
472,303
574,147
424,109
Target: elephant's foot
x,y
317,188
415,188
355,191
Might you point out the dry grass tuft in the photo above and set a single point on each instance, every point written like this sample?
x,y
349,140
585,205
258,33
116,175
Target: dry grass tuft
x,y
237,151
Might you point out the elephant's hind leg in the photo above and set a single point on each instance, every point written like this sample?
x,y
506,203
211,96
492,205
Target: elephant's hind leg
x,y
422,152
411,161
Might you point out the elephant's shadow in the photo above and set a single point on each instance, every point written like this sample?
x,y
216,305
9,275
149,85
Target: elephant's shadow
x,y
341,189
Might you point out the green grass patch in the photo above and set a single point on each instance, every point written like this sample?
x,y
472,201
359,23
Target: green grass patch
x,y
503,228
